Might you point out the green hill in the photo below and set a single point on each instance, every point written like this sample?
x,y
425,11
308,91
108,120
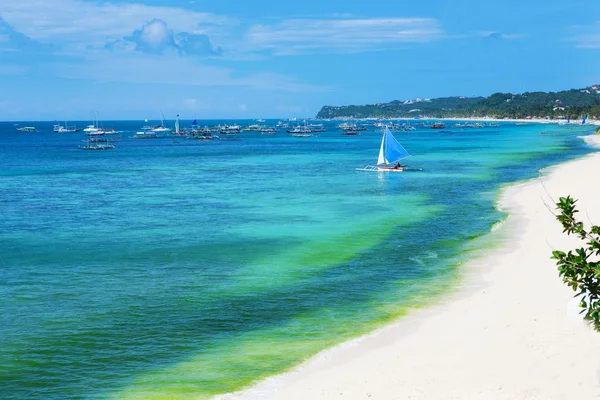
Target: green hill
x,y
572,103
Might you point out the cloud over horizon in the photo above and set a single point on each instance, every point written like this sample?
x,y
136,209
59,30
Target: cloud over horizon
x,y
11,39
588,37
76,25
156,37
300,36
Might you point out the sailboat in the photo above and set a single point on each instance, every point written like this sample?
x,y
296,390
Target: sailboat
x,y
177,125
390,153
162,127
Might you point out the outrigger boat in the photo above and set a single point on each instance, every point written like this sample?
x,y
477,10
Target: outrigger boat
x,y
390,154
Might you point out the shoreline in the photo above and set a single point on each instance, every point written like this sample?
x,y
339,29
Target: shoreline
x,y
524,120
509,329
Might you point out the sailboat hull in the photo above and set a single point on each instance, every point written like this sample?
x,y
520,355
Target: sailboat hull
x,y
374,168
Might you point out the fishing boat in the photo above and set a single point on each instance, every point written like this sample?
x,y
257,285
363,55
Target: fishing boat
x,y
146,135
301,131
390,154
96,146
65,129
229,129
253,127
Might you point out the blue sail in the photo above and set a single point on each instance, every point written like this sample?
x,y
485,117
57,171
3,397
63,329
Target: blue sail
x,y
392,149
194,122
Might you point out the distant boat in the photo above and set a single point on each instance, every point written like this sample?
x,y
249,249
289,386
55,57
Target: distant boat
x,y
162,127
177,125
301,131
229,129
93,128
390,154
269,130
96,146
27,129
146,135
65,129
253,127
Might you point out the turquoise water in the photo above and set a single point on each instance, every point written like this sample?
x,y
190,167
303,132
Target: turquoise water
x,y
173,268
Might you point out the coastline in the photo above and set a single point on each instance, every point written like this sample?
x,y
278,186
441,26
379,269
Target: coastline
x,y
521,120
510,329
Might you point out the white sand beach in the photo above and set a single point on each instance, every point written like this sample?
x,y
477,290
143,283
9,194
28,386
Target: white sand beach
x,y
510,331
521,120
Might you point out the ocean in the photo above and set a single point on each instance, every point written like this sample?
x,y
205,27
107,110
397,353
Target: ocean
x,y
178,269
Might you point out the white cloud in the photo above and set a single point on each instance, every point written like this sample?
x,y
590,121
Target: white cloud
x,y
155,37
192,103
11,39
587,37
73,22
308,35
589,42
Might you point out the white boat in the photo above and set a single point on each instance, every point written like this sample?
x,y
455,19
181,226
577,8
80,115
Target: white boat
x,y
65,129
229,129
146,135
301,131
27,129
162,127
390,154
93,128
268,130
253,127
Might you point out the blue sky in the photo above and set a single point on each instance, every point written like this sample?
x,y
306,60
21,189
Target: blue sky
x,y
61,59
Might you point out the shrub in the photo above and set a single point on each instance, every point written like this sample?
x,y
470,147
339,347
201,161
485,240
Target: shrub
x,y
576,268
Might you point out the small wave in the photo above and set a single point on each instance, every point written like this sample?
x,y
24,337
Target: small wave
x,y
497,225
420,259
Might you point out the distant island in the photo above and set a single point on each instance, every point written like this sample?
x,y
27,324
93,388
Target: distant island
x,y
573,103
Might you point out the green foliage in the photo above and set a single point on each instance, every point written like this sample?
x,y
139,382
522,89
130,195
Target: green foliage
x,y
576,268
572,103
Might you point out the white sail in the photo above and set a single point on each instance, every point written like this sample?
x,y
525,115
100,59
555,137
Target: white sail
x,y
381,159
177,125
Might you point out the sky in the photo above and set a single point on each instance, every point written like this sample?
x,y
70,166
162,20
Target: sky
x,y
65,59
